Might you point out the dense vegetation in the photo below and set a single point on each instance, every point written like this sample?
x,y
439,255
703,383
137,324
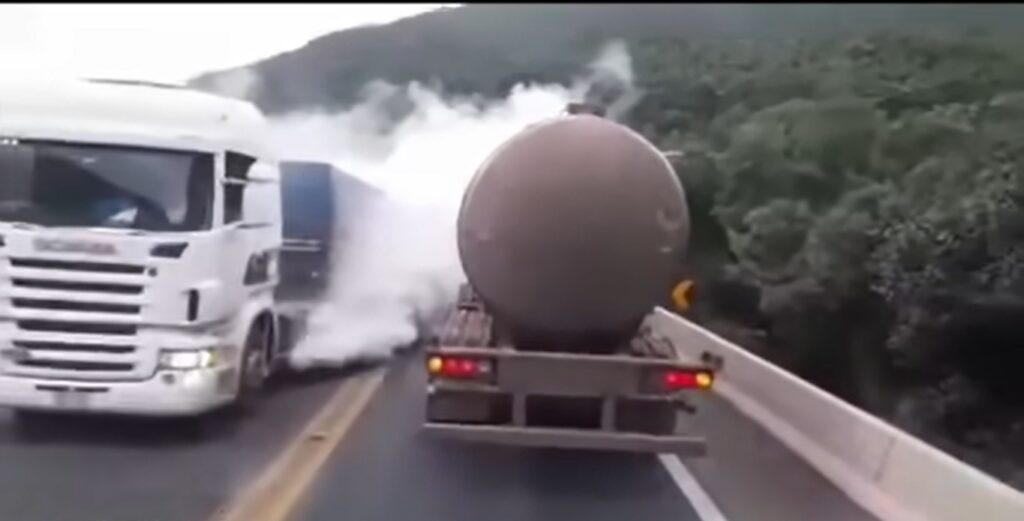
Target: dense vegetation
x,y
854,182
867,193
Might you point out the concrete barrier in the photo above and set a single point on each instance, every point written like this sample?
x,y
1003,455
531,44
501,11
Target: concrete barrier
x,y
890,473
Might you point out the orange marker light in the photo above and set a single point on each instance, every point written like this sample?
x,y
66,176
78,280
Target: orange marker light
x,y
435,364
704,380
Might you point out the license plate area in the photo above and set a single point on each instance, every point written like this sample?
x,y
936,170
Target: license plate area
x,y
566,377
70,398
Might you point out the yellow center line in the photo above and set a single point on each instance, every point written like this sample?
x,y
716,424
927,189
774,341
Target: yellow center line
x,y
275,494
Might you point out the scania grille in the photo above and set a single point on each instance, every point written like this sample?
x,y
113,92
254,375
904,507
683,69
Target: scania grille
x,y
76,365
79,348
61,326
98,267
65,305
51,355
76,319
74,360
91,287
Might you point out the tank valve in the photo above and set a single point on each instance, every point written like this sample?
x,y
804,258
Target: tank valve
x,y
576,108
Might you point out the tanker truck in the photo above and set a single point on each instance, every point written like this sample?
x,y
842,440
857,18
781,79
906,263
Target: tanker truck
x,y
569,233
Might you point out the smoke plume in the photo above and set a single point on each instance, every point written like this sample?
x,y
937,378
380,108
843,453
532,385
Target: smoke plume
x,y
237,83
400,270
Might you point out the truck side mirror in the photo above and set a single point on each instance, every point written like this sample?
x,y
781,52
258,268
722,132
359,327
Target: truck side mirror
x,y
261,173
256,177
261,198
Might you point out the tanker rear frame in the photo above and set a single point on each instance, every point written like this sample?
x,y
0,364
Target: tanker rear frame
x,y
482,389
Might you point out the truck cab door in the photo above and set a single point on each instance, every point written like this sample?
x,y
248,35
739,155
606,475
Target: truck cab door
x,y
252,223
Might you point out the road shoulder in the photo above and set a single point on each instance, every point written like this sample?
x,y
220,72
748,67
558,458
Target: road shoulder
x,y
751,476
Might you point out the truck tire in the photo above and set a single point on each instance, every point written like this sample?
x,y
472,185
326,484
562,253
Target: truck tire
x,y
255,363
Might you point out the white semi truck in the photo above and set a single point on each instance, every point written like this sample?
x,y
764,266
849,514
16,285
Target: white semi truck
x,y
140,236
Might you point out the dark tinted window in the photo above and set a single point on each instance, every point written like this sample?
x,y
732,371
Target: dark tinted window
x,y
64,184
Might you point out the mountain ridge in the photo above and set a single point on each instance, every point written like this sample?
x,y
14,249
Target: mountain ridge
x,y
486,49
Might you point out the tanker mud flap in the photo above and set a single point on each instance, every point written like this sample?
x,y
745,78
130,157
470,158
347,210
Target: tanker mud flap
x,y
685,446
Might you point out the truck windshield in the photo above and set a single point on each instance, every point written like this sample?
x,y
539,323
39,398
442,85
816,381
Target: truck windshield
x,y
63,184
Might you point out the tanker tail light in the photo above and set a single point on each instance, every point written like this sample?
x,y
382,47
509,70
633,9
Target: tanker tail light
x,y
675,380
460,367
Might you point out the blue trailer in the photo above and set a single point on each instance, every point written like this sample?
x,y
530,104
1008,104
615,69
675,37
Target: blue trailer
x,y
321,206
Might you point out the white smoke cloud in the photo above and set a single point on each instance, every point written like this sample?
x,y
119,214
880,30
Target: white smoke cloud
x,y
610,81
614,60
429,156
401,268
396,274
237,83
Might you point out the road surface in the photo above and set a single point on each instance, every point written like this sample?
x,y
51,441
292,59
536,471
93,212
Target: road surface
x,y
386,470
377,467
83,469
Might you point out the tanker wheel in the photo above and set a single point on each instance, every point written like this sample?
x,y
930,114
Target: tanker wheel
x,y
255,366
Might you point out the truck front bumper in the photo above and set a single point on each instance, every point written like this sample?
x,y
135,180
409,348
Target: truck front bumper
x,y
687,446
168,393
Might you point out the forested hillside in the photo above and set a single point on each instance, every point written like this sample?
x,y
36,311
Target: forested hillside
x,y
854,174
489,48
866,193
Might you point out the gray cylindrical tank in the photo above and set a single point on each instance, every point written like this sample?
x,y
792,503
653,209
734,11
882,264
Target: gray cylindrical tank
x,y
570,231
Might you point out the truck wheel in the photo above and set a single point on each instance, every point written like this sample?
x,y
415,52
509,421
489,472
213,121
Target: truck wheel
x,y
255,364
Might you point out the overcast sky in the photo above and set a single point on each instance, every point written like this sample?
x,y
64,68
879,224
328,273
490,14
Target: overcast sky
x,y
164,42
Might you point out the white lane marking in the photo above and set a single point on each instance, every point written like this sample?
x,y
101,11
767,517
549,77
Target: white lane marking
x,y
685,480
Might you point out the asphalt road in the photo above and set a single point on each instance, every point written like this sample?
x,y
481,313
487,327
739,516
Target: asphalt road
x,y
112,469
386,470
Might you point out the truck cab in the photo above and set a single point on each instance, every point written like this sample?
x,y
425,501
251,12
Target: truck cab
x,y
140,226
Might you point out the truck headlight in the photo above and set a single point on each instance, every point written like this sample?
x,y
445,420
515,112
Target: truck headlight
x,y
189,359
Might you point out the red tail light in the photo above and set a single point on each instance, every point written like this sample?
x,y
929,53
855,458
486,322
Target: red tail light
x,y
676,380
458,367
451,367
